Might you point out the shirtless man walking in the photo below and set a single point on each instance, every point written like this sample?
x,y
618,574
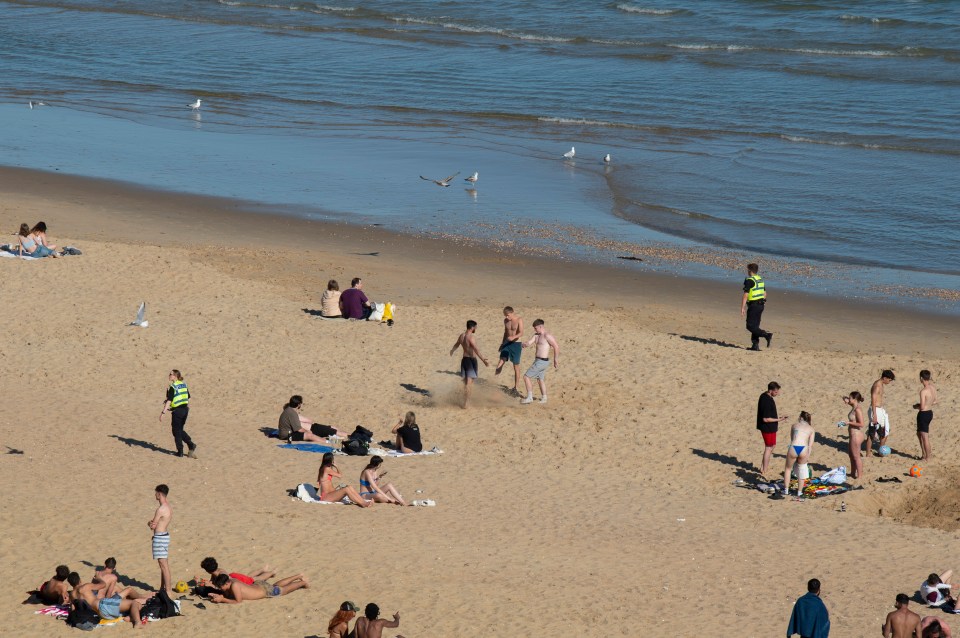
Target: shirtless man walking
x,y
511,348
902,623
370,626
543,341
928,398
877,415
160,523
468,364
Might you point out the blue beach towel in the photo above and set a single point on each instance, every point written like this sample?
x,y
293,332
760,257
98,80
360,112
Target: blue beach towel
x,y
307,447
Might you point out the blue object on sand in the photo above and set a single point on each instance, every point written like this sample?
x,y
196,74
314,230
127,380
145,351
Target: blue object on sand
x,y
884,450
307,447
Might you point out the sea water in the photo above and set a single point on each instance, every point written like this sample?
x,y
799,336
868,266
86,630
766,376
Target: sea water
x,y
826,132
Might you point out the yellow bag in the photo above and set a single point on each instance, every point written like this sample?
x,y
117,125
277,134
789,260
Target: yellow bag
x,y
387,312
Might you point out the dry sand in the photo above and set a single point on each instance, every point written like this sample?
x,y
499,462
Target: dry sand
x,y
611,510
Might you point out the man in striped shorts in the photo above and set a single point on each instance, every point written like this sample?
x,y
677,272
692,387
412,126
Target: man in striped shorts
x,y
160,523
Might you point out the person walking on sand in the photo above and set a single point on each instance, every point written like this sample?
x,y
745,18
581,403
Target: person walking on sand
x,y
468,364
798,453
928,398
160,524
855,425
371,626
178,398
768,423
751,306
810,618
879,428
902,623
543,341
510,347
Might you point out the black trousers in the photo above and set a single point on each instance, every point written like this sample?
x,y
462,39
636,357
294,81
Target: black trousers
x,y
754,311
178,418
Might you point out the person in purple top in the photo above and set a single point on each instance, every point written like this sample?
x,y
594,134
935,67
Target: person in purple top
x,y
353,303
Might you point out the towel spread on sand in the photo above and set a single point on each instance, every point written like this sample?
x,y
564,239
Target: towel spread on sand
x,y
308,494
309,447
395,454
57,611
6,252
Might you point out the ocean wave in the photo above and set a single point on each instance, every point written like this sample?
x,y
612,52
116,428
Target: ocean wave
x,y
464,28
871,53
310,7
629,8
917,147
847,17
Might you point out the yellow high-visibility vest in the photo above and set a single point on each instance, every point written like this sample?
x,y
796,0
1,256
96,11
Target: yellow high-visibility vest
x,y
180,394
758,291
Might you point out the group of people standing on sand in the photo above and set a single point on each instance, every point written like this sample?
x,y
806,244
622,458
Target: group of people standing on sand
x,y
876,427
511,348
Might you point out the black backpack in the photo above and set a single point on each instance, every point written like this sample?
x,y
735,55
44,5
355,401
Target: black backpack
x,y
82,616
159,606
358,443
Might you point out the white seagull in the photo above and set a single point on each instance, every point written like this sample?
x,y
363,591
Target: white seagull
x,y
441,182
141,311
472,179
196,105
32,104
569,154
606,158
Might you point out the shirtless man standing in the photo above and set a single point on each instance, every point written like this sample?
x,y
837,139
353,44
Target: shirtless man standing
x,y
510,348
928,398
468,364
372,627
877,414
160,523
902,623
543,341
235,592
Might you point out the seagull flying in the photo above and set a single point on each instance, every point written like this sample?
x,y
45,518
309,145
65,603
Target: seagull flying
x,y
141,311
196,105
441,182
569,154
472,179
606,158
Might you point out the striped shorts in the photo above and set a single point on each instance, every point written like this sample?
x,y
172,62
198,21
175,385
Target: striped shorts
x,y
161,545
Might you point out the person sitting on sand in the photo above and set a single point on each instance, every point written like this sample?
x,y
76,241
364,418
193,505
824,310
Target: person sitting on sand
x,y
235,592
295,427
370,626
801,443
209,565
108,574
934,628
111,605
330,301
855,429
55,591
30,246
39,233
370,487
935,591
353,303
339,625
408,434
328,472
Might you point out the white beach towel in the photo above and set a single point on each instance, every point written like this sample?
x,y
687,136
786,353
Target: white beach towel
x,y
7,251
395,454
308,494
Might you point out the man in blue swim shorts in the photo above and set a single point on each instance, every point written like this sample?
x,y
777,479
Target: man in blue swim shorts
x,y
511,348
127,601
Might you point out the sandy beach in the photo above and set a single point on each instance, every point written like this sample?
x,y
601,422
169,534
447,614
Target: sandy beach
x,y
611,510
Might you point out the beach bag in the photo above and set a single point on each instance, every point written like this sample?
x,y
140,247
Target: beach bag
x,y
82,617
387,312
358,443
160,606
376,313
837,476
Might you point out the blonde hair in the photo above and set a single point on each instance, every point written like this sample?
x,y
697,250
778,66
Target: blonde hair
x,y
410,419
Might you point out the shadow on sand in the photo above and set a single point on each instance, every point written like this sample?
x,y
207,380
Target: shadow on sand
x,y
144,444
709,342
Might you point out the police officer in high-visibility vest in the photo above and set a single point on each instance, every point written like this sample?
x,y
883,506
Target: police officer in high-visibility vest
x,y
754,297
178,396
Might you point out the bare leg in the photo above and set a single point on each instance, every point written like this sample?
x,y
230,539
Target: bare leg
x,y
293,583
500,366
263,574
528,385
313,438
856,464
765,463
392,491
467,387
165,574
399,446
801,479
945,576
791,459
543,388
516,378
350,493
924,446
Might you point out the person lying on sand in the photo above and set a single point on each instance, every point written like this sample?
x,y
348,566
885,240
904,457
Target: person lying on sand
x,y
371,489
936,590
209,565
235,592
328,472
54,591
126,601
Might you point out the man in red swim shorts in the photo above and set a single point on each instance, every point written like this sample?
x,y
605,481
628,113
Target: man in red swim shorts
x,y
768,422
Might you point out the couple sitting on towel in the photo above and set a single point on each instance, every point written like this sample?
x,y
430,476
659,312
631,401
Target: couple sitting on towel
x,y
294,427
371,490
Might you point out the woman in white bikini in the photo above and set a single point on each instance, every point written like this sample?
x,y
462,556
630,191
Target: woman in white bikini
x,y
801,443
855,425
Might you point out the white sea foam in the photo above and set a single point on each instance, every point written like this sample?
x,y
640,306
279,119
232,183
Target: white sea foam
x,y
506,33
629,8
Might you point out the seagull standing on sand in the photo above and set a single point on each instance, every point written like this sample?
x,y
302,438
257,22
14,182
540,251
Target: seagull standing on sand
x,y
569,154
472,179
196,105
141,311
606,158
441,182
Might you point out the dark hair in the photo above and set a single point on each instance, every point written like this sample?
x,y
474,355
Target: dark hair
x,y
110,563
924,375
209,564
471,324
177,374
375,462
903,599
295,402
931,629
73,578
773,385
163,489
39,227
62,572
856,395
805,417
371,611
220,580
24,230
888,374
354,282
508,309
813,586
933,579
753,268
333,285
537,322
326,462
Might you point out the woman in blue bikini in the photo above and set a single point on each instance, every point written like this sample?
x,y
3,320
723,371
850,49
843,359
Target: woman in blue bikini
x,y
371,489
801,443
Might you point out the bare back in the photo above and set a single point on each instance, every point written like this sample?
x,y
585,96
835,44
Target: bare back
x,y
367,628
876,394
468,343
928,397
902,623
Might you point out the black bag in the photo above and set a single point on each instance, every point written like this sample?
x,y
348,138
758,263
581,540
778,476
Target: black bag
x,y
358,443
82,616
159,606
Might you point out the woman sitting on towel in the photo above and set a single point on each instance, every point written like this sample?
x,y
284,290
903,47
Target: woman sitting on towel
x,y
370,485
328,472
408,434
39,232
29,244
330,301
293,426
801,442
